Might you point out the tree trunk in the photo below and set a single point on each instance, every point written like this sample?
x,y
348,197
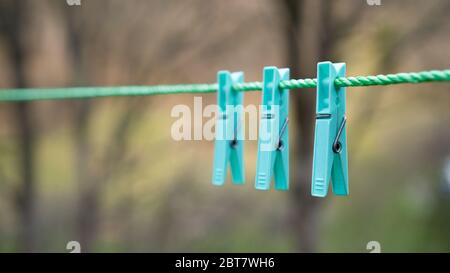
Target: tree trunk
x,y
88,203
305,208
26,193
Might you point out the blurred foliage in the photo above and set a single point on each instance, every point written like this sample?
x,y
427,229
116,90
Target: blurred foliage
x,y
154,194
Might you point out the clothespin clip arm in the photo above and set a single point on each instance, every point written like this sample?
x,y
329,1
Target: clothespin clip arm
x,y
330,140
273,142
229,146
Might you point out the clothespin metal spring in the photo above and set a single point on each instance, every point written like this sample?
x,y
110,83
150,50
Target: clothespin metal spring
x,y
337,146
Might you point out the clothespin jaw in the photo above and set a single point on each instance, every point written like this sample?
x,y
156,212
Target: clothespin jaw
x,y
273,142
229,145
330,140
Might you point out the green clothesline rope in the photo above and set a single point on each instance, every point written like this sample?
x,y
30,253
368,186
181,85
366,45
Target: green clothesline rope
x,y
28,94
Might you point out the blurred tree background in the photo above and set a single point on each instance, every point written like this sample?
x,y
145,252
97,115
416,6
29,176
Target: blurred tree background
x,y
106,172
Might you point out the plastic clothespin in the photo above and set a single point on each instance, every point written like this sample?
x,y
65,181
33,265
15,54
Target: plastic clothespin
x,y
330,140
229,145
273,142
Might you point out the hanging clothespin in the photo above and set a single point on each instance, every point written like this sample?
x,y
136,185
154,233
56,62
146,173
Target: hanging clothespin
x,y
330,140
273,142
229,145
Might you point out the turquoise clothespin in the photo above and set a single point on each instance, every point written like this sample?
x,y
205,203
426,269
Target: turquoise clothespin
x,y
273,142
330,140
229,145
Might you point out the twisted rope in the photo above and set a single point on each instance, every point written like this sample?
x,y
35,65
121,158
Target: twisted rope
x,y
29,94
413,77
